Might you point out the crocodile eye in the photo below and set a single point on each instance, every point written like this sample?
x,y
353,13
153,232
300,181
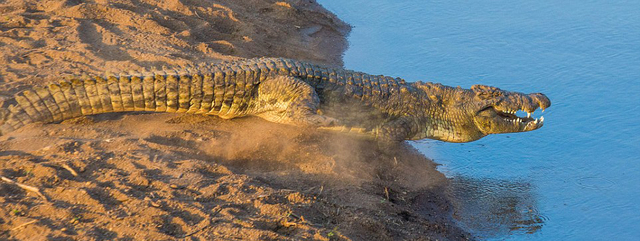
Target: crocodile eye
x,y
484,95
486,92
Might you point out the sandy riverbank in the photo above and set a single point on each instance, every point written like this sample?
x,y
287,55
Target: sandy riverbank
x,y
156,176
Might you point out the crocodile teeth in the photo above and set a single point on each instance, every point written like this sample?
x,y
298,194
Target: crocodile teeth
x,y
528,114
540,120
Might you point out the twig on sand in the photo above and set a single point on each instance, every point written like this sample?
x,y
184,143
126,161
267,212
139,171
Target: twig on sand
x,y
24,224
386,193
25,187
73,172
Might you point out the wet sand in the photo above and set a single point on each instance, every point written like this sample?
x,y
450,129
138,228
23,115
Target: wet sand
x,y
160,176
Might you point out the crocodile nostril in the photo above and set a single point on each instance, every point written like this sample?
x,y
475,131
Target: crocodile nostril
x,y
541,100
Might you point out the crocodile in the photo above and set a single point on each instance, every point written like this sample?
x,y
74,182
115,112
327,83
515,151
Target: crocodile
x,y
290,92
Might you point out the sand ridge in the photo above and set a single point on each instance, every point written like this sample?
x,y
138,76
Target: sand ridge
x,y
162,176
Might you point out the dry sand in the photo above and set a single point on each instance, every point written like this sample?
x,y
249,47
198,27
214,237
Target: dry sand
x,y
150,176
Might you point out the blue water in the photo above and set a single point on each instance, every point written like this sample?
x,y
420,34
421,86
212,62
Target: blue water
x,y
577,178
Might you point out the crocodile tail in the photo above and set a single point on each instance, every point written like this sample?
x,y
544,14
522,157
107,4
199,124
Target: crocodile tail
x,y
158,92
10,116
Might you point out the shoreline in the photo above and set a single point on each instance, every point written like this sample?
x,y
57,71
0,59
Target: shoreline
x,y
172,176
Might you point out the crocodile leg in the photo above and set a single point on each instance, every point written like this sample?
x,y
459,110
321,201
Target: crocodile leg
x,y
395,130
389,132
289,100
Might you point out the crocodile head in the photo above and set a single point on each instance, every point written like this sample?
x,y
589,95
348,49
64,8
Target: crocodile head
x,y
495,110
470,114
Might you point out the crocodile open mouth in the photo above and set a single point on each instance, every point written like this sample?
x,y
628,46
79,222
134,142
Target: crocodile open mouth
x,y
512,116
